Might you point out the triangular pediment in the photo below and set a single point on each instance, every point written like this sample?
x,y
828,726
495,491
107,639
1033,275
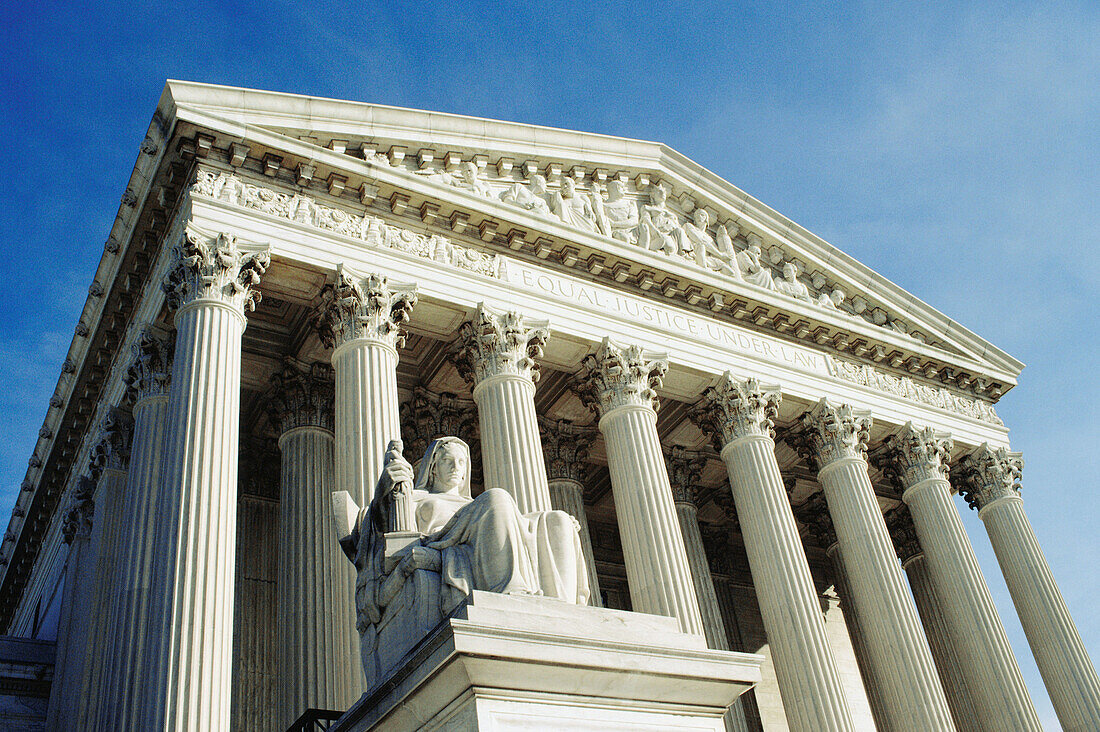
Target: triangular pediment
x,y
636,212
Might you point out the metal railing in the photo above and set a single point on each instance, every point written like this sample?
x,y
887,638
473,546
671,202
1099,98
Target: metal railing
x,y
313,720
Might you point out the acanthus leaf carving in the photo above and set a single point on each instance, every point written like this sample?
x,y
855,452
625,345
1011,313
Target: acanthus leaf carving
x,y
736,408
303,395
494,344
904,535
913,455
831,432
685,472
77,521
617,376
364,307
151,370
987,474
216,267
814,515
112,450
565,447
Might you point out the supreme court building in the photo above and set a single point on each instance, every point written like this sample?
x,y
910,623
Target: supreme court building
x,y
758,435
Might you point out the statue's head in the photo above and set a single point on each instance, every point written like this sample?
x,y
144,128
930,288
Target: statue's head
x,y
568,187
701,217
615,189
538,184
469,171
445,467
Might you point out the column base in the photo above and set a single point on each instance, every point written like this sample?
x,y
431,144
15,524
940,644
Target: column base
x,y
519,663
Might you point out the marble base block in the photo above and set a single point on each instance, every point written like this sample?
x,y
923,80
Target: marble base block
x,y
506,662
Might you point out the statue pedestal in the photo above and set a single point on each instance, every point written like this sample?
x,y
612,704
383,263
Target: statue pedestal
x,y
506,662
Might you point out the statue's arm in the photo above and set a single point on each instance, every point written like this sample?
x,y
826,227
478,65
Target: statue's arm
x,y
346,513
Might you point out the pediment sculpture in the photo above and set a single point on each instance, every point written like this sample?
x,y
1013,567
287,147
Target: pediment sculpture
x,y
425,543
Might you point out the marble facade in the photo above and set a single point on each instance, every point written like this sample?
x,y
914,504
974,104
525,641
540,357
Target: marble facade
x,y
725,404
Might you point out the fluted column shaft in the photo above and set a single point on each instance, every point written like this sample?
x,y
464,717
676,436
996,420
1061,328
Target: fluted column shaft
x,y
912,694
496,355
739,414
510,446
567,495
653,547
974,628
1066,668
937,628
196,530
319,665
809,682
366,413
123,701
74,623
989,480
100,654
856,632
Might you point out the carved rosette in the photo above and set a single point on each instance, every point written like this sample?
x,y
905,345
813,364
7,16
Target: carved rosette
x,y
112,450
616,377
493,344
216,267
303,395
365,307
914,455
987,474
428,416
737,408
151,370
685,471
565,448
77,521
904,534
814,515
831,432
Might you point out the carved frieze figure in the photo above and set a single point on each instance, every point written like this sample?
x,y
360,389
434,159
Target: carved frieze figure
x,y
831,300
571,208
616,216
659,228
753,270
530,196
790,285
707,252
461,543
468,177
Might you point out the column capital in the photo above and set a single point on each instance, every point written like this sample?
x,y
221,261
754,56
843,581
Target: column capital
x,y
429,415
216,267
151,370
814,515
77,521
565,448
685,470
364,306
112,448
617,376
987,474
830,432
498,343
913,455
904,535
736,408
303,395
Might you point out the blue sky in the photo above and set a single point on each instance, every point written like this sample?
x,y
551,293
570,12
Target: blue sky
x,y
953,148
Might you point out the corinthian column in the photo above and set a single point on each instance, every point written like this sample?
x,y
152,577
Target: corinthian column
x,y
74,624
930,605
318,660
147,392
739,417
834,438
496,355
917,460
989,480
361,319
210,288
815,515
566,452
109,460
618,384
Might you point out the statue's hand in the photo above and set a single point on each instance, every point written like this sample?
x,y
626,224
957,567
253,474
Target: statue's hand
x,y
421,557
397,471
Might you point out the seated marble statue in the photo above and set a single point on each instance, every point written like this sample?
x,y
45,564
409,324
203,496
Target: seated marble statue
x,y
481,543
